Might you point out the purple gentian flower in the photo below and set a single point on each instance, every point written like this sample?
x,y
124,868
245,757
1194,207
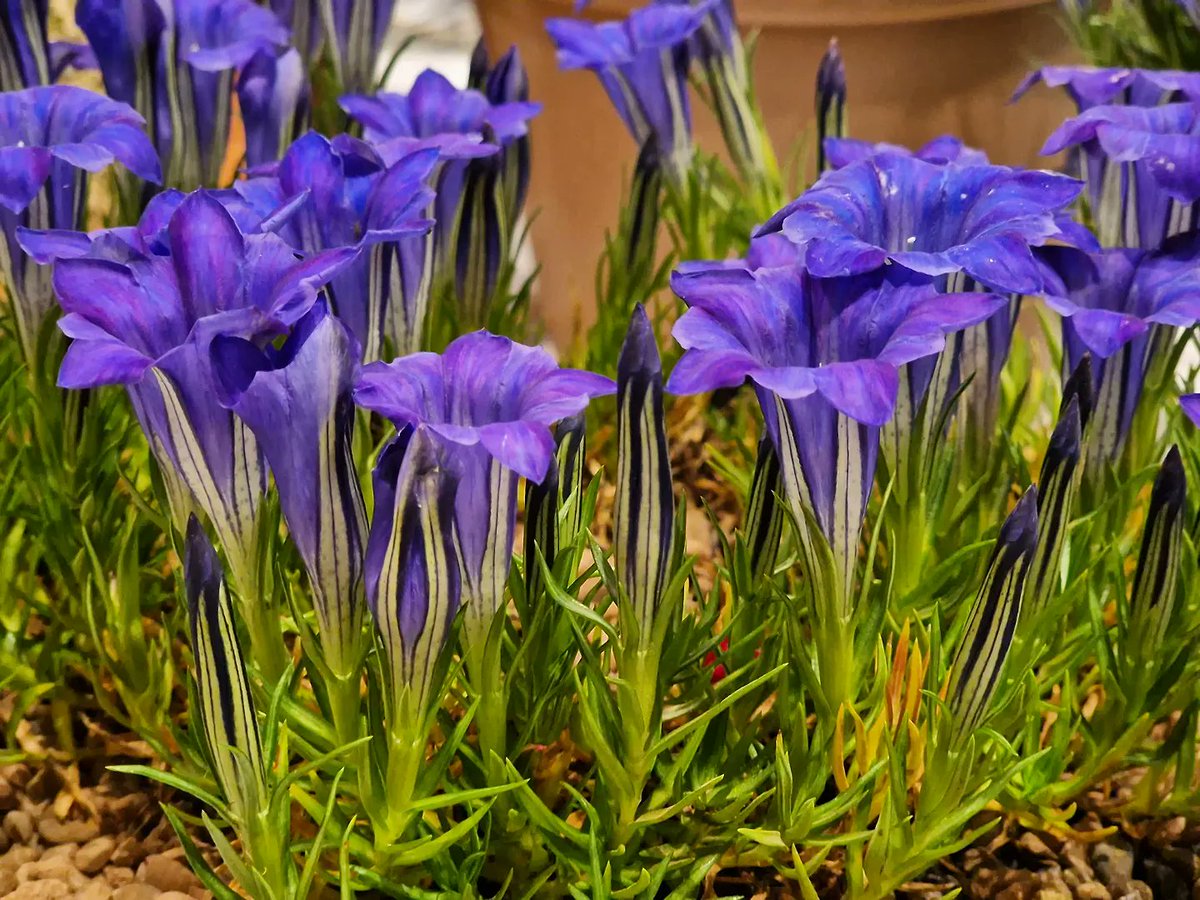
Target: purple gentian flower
x,y
147,321
1111,302
174,61
824,355
273,95
1191,407
27,58
1143,169
1089,86
642,62
50,138
830,103
490,403
978,221
506,82
358,26
329,194
964,227
296,401
437,114
944,150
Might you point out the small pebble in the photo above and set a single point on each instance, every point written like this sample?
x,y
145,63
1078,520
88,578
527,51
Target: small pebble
x,y
166,874
97,889
49,889
174,895
1092,890
95,854
118,876
18,825
136,891
8,794
8,881
77,831
60,850
17,856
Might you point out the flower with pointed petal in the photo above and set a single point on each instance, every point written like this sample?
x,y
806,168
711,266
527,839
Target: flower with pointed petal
x,y
1143,169
830,105
642,62
1111,301
335,194
1089,86
978,221
490,403
944,150
27,58
50,139
824,356
174,61
506,82
148,322
1058,483
297,402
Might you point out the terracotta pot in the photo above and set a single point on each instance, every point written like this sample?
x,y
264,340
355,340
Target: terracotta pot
x,y
915,68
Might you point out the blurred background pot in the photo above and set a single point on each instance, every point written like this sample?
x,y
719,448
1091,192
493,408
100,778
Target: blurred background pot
x,y
915,69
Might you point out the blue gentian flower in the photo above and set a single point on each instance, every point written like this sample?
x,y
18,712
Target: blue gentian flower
x,y
489,402
830,103
1111,302
841,152
824,356
327,194
642,62
1089,86
979,221
437,114
27,58
272,92
297,402
50,138
358,26
174,61
503,83
1143,169
1191,407
147,320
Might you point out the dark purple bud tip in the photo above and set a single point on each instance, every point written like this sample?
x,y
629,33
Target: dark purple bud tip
x,y
639,354
831,75
1019,531
1065,441
480,64
1080,387
1170,487
202,572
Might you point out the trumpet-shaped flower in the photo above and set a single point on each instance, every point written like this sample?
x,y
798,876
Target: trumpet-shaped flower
x,y
944,150
824,355
50,138
27,58
338,194
1111,301
935,220
1089,86
489,403
1143,167
174,61
147,320
642,62
297,402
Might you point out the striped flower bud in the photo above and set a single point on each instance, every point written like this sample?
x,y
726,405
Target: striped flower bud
x,y
979,660
1057,486
764,516
226,706
645,506
1154,584
545,501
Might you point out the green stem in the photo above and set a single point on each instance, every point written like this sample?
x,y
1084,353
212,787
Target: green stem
x,y
639,670
406,754
267,649
912,545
